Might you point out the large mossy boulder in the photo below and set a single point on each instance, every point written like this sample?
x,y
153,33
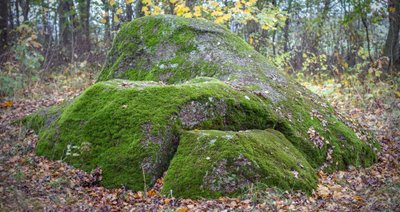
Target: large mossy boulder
x,y
190,98
211,163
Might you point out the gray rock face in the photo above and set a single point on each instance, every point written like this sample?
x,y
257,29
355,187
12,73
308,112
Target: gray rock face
x,y
173,50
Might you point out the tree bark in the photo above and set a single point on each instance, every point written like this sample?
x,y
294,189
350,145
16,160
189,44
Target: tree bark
x,y
87,25
46,28
129,11
190,4
323,16
64,8
107,29
286,28
17,11
84,27
10,15
365,24
3,26
138,9
392,47
25,9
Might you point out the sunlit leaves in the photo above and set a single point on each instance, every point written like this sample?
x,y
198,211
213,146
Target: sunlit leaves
x,y
223,18
119,11
241,11
182,10
116,19
103,20
157,10
197,12
111,2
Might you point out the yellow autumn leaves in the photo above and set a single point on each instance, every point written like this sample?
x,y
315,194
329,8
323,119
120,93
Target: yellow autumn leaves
x,y
213,10
241,11
118,12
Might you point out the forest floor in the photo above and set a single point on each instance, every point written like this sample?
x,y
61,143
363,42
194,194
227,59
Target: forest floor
x,y
31,182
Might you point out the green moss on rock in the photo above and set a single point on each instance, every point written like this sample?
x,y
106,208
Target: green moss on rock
x,y
212,163
154,90
129,127
175,49
44,117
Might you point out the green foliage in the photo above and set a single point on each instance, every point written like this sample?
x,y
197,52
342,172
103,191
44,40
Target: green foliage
x,y
26,50
9,84
15,74
314,63
281,61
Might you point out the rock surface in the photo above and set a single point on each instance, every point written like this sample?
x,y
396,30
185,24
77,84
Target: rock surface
x,y
155,109
212,163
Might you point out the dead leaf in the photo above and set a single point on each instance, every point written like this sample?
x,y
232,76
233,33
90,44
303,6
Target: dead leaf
x,y
151,193
7,104
358,198
323,191
182,209
337,195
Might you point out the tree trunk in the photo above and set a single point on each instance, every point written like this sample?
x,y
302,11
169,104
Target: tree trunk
x,y
392,47
84,28
17,11
64,8
10,15
76,34
113,25
138,9
365,24
3,26
129,11
286,28
45,22
190,4
321,22
25,9
107,32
